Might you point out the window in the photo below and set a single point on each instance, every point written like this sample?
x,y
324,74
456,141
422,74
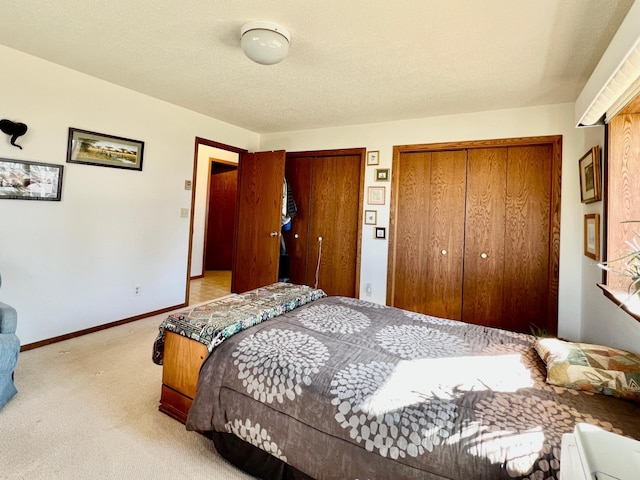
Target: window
x,y
622,201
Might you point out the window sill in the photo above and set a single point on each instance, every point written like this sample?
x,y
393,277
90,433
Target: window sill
x,y
621,298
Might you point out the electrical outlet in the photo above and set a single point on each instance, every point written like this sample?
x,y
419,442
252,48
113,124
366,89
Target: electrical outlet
x,y
136,290
367,289
184,212
187,184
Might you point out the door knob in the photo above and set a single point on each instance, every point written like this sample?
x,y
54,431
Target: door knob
x,y
483,255
443,252
274,234
296,236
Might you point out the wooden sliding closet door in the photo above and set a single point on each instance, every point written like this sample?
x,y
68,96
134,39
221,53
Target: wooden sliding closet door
x,y
335,217
430,229
327,187
298,174
446,234
411,176
485,236
475,229
528,234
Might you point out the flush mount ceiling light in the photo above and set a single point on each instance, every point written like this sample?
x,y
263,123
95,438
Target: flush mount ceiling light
x,y
264,42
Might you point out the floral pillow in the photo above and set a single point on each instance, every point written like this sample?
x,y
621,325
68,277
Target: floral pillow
x,y
593,368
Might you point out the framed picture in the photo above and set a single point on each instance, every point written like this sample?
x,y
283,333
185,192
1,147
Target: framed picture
x,y
373,157
380,233
22,180
382,174
590,184
375,195
592,236
93,148
370,217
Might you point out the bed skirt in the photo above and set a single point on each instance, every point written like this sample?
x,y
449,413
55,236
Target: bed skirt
x,y
252,460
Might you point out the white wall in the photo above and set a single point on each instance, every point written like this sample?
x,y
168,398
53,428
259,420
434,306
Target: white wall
x,y
545,120
71,265
205,155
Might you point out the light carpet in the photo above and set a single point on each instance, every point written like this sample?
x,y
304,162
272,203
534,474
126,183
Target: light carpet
x,y
87,408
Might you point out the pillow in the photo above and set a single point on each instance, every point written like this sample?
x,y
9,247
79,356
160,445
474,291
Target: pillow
x,y
593,368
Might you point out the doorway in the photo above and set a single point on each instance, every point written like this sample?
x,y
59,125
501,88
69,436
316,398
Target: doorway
x,y
211,159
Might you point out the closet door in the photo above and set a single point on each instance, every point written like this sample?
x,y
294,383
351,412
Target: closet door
x,y
298,174
429,232
259,210
411,174
528,235
506,202
445,241
335,217
484,254
506,281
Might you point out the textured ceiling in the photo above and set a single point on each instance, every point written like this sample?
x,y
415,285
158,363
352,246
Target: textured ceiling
x,y
350,62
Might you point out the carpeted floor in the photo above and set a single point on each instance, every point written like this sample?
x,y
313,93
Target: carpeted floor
x,y
87,408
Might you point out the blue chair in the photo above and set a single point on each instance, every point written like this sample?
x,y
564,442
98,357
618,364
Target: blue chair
x,y
9,349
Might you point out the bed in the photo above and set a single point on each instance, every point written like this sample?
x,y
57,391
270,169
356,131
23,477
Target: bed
x,y
339,388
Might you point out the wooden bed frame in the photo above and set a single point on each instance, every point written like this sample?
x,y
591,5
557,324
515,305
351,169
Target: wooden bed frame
x,y
180,369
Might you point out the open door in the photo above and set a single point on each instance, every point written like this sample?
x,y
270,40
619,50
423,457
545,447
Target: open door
x,y
259,209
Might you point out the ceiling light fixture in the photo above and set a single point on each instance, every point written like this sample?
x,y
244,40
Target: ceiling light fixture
x,y
265,43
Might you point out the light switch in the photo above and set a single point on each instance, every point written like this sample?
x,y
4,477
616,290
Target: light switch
x,y
184,212
187,184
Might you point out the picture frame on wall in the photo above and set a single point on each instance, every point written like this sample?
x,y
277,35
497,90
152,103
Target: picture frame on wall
x,y
590,176
380,233
382,174
375,195
592,236
370,217
23,180
373,157
99,149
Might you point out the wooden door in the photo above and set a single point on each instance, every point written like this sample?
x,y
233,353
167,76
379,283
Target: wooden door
x,y
257,247
223,193
445,241
298,172
527,234
429,232
511,232
484,254
335,218
411,174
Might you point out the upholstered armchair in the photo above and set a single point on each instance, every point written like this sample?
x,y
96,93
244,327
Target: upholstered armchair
x,y
9,348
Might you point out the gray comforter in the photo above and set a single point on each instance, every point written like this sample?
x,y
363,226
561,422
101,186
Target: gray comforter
x,y
345,389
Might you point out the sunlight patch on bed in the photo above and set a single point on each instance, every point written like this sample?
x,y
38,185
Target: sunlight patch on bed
x,y
520,450
414,381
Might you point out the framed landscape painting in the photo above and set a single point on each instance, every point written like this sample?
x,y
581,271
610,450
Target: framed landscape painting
x,y
93,148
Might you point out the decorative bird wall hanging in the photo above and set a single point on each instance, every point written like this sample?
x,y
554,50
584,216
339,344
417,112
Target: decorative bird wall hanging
x,y
14,130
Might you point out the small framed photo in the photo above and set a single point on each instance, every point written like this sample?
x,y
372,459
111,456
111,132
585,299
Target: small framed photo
x,y
382,174
590,176
375,195
373,157
592,236
22,180
380,233
370,217
93,148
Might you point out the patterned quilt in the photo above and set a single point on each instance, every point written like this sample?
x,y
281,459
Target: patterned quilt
x,y
215,321
345,389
